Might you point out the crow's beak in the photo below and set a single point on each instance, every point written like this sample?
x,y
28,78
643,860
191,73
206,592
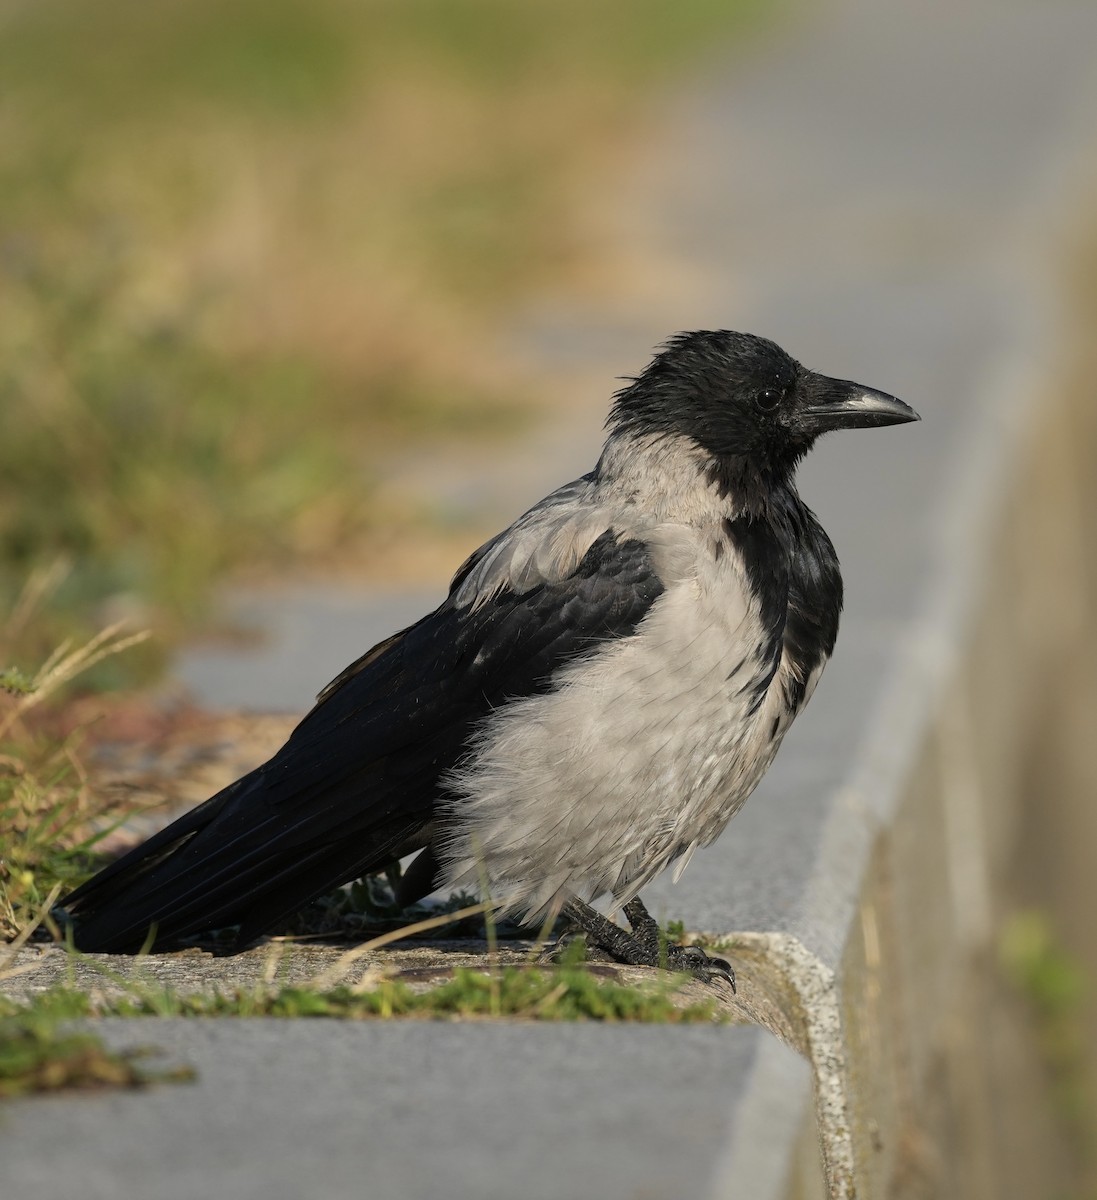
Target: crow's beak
x,y
840,404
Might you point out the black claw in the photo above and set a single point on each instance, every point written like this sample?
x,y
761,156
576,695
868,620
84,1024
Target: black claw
x,y
696,961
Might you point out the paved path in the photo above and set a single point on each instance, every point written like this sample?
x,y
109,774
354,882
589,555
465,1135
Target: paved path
x,y
863,190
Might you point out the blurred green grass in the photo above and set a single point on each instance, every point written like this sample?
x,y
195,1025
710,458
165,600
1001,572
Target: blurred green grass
x,y
248,248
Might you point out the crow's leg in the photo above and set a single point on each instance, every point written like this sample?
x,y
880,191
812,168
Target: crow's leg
x,y
674,957
605,934
644,926
644,946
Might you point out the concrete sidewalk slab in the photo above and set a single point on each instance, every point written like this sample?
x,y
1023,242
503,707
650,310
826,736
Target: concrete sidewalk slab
x,y
283,1110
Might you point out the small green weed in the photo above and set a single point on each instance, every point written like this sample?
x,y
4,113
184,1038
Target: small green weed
x,y
369,906
1054,986
676,932
38,1053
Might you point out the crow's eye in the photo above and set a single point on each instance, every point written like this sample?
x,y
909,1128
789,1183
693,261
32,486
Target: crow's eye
x,y
768,399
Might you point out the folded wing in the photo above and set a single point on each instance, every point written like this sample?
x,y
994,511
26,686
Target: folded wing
x,y
356,784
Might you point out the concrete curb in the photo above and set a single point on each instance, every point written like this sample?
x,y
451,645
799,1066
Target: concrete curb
x,y
878,193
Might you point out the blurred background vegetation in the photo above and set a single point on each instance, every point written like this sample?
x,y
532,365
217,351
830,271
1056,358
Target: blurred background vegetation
x,y
249,248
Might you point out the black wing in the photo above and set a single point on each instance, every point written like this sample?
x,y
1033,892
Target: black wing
x,y
355,785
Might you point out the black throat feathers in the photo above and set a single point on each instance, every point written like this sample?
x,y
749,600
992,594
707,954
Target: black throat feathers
x,y
793,573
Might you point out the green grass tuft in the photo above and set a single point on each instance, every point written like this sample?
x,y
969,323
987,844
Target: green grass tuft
x,y
40,1053
568,991
50,818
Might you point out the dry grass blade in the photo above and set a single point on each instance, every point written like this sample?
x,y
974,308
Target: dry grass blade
x,y
333,974
41,584
49,816
65,664
8,953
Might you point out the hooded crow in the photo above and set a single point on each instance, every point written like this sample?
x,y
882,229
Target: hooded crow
x,y
604,685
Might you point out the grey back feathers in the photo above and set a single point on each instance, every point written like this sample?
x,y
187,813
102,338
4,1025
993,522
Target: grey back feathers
x,y
545,545
645,487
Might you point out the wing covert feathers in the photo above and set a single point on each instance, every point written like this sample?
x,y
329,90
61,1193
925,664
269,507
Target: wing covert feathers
x,y
358,780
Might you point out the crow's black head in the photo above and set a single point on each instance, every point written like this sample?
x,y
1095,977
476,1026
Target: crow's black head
x,y
742,396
